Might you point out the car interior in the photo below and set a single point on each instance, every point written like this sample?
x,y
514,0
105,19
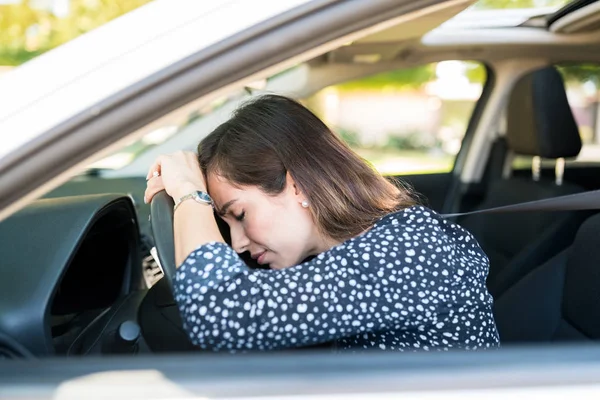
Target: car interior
x,y
539,124
87,282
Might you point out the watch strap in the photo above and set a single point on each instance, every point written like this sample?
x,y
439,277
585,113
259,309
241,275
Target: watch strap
x,y
198,196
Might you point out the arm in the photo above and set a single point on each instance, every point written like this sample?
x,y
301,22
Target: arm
x,y
193,225
415,272
225,305
353,288
179,174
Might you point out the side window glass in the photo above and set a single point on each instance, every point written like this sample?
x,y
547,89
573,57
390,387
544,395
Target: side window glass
x,y
409,121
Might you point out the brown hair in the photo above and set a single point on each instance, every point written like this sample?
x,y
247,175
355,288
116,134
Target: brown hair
x,y
271,135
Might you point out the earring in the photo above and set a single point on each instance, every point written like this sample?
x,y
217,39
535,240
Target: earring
x,y
305,203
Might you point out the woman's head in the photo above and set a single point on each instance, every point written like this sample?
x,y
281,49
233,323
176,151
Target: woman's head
x,y
287,186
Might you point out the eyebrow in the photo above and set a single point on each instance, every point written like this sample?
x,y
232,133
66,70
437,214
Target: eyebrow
x,y
225,207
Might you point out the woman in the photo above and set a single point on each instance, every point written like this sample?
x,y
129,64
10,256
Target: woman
x,y
386,273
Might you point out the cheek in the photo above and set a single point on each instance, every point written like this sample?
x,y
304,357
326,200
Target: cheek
x,y
274,227
258,228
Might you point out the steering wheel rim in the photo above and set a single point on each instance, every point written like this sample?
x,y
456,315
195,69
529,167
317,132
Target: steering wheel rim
x,y
161,221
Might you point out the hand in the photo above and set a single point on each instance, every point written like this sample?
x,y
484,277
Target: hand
x,y
178,173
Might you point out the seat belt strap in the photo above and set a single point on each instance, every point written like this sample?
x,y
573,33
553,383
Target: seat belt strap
x,y
579,201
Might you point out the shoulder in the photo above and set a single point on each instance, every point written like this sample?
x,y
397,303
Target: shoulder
x,y
426,228
410,216
413,231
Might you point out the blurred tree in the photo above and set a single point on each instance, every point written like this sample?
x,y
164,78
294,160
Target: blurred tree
x,y
27,31
410,78
580,73
476,72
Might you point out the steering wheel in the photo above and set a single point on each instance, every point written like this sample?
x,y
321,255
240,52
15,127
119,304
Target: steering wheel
x,y
161,221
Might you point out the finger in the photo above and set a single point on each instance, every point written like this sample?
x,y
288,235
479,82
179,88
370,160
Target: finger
x,y
151,191
155,169
153,172
149,195
154,186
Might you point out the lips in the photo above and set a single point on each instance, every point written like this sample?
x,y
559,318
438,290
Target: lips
x,y
259,257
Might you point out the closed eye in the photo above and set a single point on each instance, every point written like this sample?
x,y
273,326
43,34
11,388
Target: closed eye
x,y
240,217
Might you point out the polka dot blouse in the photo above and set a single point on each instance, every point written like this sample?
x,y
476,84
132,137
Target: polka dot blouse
x,y
413,281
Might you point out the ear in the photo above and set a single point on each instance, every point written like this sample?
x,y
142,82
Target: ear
x,y
293,189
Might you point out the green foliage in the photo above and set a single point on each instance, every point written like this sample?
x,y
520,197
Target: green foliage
x,y
26,32
580,73
410,141
410,78
415,140
15,57
476,72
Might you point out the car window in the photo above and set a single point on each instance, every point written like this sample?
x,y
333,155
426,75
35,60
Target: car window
x,y
408,121
185,127
161,134
582,84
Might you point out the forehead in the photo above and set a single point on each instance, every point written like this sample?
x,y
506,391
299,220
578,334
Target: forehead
x,y
219,186
223,190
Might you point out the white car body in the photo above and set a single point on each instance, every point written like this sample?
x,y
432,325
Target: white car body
x,y
76,76
77,80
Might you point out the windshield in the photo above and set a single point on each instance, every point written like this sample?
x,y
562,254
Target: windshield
x,y
184,128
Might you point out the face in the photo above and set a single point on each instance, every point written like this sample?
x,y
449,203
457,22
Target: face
x,y
275,229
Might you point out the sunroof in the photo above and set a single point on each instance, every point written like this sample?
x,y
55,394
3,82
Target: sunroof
x,y
503,13
512,4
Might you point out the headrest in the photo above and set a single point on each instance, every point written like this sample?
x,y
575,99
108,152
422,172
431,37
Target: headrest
x,y
539,118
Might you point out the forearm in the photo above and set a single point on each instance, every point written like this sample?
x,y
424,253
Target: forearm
x,y
194,225
226,305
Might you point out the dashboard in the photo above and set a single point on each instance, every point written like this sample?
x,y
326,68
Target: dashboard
x,y
74,275
71,276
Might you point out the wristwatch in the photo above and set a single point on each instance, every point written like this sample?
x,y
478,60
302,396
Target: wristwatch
x,y
198,196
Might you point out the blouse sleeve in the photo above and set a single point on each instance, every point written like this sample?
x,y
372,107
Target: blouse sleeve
x,y
379,281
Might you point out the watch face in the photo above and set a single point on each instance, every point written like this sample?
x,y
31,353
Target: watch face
x,y
204,197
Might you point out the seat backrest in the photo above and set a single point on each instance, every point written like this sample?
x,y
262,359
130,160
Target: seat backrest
x,y
558,301
539,123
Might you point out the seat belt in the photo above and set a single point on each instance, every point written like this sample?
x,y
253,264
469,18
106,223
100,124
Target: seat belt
x,y
572,202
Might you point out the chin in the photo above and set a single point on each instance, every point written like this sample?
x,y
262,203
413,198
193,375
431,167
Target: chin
x,y
283,264
279,266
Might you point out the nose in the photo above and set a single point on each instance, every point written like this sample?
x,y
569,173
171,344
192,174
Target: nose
x,y
239,240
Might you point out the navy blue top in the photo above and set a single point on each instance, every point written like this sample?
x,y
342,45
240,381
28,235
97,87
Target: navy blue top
x,y
413,281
